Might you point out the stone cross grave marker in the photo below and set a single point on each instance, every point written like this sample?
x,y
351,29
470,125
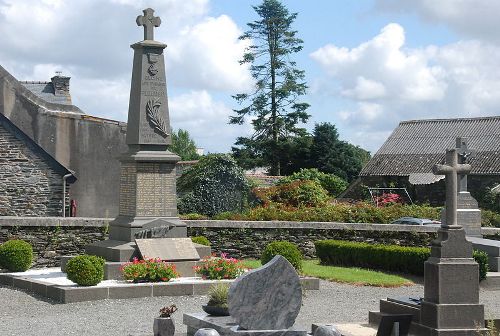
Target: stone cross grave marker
x,y
464,154
451,170
149,21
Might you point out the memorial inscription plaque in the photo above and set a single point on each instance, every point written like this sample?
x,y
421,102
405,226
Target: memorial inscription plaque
x,y
167,249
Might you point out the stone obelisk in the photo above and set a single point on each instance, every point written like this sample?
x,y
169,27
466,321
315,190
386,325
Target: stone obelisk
x,y
147,175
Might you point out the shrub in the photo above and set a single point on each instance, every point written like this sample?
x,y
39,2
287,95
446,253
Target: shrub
x,y
296,194
149,270
394,258
333,184
341,212
288,250
200,240
217,268
214,185
218,295
387,199
85,270
16,255
482,259
490,218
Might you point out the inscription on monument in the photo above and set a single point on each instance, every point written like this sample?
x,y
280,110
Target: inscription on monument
x,y
168,249
156,190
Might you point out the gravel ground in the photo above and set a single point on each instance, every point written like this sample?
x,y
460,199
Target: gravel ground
x,y
26,314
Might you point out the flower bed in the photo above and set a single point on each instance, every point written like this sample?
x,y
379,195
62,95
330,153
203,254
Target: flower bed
x,y
149,270
217,268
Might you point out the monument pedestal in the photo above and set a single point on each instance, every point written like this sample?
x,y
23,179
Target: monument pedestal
x,y
468,214
451,288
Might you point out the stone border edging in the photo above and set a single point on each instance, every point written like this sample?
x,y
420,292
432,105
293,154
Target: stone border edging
x,y
71,294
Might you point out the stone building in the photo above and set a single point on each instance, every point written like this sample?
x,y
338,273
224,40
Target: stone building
x,y
31,180
407,156
87,145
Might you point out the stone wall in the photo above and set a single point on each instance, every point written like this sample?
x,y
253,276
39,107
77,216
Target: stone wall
x,y
53,237
28,185
87,145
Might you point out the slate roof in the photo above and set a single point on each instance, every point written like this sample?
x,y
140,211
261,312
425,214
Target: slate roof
x,y
46,91
416,145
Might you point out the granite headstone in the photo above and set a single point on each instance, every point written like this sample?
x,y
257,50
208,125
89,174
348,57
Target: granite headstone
x,y
267,298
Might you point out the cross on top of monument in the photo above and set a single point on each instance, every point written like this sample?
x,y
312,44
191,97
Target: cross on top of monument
x,y
464,153
451,170
149,21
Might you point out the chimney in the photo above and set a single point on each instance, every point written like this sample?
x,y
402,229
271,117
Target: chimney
x,y
61,84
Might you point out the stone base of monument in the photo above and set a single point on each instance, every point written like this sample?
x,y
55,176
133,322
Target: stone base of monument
x,y
226,326
118,252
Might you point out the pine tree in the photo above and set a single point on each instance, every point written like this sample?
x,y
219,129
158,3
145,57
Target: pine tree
x,y
278,84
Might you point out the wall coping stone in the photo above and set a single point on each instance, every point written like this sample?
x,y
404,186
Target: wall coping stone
x,y
14,221
11,221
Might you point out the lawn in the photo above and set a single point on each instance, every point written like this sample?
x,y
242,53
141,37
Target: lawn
x,y
351,275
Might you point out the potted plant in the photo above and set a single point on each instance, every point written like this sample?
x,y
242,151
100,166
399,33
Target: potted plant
x,y
164,325
217,303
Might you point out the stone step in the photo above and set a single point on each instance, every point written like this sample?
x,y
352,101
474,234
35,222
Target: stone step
x,y
356,329
492,281
494,263
490,246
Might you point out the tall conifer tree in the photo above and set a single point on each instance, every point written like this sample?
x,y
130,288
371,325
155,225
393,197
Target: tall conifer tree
x,y
274,102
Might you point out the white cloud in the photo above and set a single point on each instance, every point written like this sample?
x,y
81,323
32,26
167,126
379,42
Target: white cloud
x,y
470,18
205,119
385,82
89,40
212,50
366,89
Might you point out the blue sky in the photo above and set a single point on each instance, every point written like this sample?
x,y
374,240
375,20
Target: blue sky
x,y
369,63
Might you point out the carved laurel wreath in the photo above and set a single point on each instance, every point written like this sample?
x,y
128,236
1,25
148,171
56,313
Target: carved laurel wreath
x,y
154,117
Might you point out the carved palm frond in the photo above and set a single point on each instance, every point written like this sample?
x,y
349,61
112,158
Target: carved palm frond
x,y
155,118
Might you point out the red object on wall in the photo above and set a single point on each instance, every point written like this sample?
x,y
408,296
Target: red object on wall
x,y
72,208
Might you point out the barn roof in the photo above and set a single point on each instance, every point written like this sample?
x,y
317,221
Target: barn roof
x,y
416,145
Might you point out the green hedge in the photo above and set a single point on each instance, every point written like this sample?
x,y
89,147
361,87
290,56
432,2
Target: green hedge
x,y
394,258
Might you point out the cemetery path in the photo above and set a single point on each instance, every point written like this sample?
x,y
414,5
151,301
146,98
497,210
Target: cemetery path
x,y
25,314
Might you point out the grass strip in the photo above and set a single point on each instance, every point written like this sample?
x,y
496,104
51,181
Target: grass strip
x,y
350,275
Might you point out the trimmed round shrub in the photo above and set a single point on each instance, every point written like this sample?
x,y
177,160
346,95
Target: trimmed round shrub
x,y
202,240
16,255
85,270
287,250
